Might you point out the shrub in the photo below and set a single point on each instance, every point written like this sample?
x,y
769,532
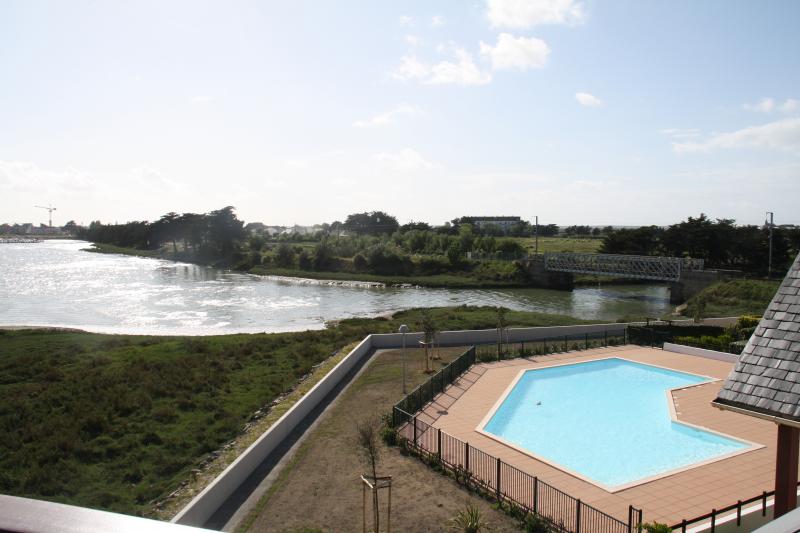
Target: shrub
x,y
360,262
284,256
304,261
656,527
536,524
469,520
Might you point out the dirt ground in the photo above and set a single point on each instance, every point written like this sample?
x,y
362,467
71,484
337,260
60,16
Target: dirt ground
x,y
320,489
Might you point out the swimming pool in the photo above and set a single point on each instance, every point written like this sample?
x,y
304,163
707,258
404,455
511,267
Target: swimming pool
x,y
607,421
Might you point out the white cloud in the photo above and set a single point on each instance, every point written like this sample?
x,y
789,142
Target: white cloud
x,y
437,21
779,135
461,71
790,105
588,100
765,105
405,159
681,133
521,53
202,99
413,40
406,21
19,176
768,105
389,117
529,13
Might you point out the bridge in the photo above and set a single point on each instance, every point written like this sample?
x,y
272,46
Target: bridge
x,y
686,277
622,266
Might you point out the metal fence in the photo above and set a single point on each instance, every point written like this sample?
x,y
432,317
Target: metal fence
x,y
549,345
509,484
712,516
506,482
423,394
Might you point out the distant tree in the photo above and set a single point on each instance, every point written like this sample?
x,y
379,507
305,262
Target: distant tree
x,y
304,260
371,223
636,241
70,227
225,230
595,232
167,228
322,258
510,249
284,256
549,230
415,226
607,229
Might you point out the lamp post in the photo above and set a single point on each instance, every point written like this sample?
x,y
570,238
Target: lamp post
x,y
403,330
769,269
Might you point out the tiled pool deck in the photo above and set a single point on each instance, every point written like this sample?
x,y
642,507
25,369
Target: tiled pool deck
x,y
460,409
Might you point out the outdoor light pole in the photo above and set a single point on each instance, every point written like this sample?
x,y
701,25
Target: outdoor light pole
x,y
537,235
403,330
769,269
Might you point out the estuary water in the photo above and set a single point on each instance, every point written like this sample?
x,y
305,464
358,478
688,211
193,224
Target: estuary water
x,y
57,284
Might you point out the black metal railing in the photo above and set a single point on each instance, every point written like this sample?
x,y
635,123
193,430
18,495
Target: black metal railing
x,y
423,394
712,516
509,484
553,344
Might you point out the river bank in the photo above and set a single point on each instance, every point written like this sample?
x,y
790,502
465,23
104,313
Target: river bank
x,y
453,280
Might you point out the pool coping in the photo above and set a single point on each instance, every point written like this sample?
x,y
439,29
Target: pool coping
x,y
750,446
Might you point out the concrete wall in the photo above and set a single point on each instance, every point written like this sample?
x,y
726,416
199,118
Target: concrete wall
x,y
205,504
700,352
489,336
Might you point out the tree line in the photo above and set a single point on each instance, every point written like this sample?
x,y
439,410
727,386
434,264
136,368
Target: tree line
x,y
214,236
721,243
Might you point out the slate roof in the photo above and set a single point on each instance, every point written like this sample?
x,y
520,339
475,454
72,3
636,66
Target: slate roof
x,y
766,379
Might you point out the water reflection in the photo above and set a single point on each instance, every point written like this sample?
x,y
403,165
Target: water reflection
x,y
56,284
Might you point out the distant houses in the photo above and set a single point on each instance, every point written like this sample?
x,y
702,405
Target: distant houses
x,y
504,223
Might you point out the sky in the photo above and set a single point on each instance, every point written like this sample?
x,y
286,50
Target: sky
x,y
623,112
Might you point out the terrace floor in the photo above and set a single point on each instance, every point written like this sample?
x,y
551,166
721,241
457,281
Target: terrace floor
x,y
686,494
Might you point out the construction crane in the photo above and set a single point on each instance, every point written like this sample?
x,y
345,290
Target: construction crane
x,y
50,210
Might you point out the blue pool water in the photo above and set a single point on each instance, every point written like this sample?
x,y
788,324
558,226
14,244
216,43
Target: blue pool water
x,y
607,420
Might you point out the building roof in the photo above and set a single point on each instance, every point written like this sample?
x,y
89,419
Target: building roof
x,y
766,378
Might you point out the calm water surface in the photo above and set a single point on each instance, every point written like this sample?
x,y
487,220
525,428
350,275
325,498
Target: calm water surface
x,y
55,283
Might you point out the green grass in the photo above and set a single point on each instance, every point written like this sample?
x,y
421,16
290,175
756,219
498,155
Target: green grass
x,y
482,279
117,422
562,244
733,298
111,249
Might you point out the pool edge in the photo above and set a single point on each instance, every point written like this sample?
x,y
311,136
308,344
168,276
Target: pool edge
x,y
750,446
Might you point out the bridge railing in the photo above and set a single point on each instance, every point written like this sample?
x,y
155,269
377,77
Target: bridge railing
x,y
625,266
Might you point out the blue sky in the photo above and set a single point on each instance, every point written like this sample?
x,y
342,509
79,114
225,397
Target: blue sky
x,y
595,112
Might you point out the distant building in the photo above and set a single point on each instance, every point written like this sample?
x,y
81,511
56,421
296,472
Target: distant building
x,y
502,222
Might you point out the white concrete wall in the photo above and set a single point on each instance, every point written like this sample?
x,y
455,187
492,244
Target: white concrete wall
x,y
205,504
700,352
488,336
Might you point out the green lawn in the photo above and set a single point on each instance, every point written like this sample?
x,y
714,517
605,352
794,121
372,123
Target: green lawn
x,y
562,244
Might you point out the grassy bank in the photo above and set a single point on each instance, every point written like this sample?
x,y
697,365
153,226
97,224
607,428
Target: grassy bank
x,y
450,281
111,249
733,298
470,275
119,422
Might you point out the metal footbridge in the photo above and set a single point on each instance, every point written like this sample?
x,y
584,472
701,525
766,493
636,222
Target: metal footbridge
x,y
622,266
